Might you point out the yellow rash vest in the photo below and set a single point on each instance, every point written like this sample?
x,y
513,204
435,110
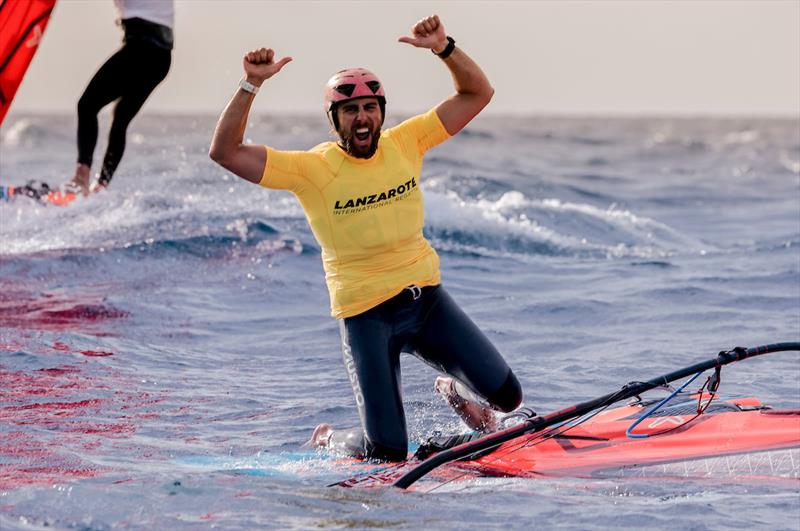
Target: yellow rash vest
x,y
366,214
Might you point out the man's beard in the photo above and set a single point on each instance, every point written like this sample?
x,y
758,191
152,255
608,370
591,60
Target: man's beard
x,y
351,149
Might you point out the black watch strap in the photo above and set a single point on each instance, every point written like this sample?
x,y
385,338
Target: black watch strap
x,y
451,45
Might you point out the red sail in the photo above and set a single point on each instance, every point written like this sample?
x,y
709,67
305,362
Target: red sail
x,y
22,23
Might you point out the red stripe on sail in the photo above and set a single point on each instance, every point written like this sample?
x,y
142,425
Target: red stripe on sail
x,y
22,24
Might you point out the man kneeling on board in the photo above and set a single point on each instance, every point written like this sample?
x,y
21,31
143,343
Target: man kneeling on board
x,y
363,200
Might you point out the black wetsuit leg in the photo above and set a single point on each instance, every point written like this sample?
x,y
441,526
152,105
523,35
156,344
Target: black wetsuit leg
x,y
102,89
436,330
450,341
371,352
130,75
150,65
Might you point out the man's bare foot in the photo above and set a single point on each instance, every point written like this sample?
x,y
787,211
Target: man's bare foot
x,y
476,416
321,437
80,182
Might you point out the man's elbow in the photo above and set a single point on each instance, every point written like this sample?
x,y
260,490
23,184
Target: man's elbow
x,y
487,94
217,155
225,159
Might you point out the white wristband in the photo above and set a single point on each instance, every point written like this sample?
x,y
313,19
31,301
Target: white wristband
x,y
247,86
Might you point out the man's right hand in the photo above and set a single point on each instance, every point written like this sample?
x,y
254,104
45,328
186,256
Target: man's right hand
x,y
260,65
227,147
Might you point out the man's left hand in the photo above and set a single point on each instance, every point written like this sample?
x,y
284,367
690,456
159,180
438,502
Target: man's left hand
x,y
427,33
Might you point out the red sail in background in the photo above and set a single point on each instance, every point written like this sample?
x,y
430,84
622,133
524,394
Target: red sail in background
x,y
22,23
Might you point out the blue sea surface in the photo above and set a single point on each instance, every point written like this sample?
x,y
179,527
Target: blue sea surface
x,y
166,345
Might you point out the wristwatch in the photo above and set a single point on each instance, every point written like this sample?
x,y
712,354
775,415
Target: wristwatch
x,y
247,86
451,45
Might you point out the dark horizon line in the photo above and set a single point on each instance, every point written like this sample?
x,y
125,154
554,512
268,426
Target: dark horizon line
x,y
688,115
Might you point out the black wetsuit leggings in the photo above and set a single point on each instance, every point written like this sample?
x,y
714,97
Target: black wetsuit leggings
x,y
436,330
129,76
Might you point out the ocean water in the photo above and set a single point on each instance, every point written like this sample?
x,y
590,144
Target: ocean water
x,y
166,346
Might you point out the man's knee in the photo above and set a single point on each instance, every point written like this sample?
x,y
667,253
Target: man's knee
x,y
87,105
509,396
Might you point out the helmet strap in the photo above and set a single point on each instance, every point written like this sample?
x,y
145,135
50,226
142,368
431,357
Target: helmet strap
x,y
333,118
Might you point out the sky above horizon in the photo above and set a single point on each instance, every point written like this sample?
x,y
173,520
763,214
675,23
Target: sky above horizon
x,y
610,57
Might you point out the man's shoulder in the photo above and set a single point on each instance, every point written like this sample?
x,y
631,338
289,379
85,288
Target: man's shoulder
x,y
418,123
319,149
322,147
326,157
318,154
418,133
301,162
405,123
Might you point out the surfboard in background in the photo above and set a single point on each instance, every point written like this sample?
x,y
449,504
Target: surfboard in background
x,y
38,191
22,24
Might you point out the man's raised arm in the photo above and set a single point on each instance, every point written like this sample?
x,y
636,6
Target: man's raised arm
x,y
473,90
227,149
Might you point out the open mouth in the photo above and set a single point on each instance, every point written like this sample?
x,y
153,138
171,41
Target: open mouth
x,y
362,135
361,142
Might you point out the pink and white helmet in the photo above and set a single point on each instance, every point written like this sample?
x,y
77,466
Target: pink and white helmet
x,y
350,84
